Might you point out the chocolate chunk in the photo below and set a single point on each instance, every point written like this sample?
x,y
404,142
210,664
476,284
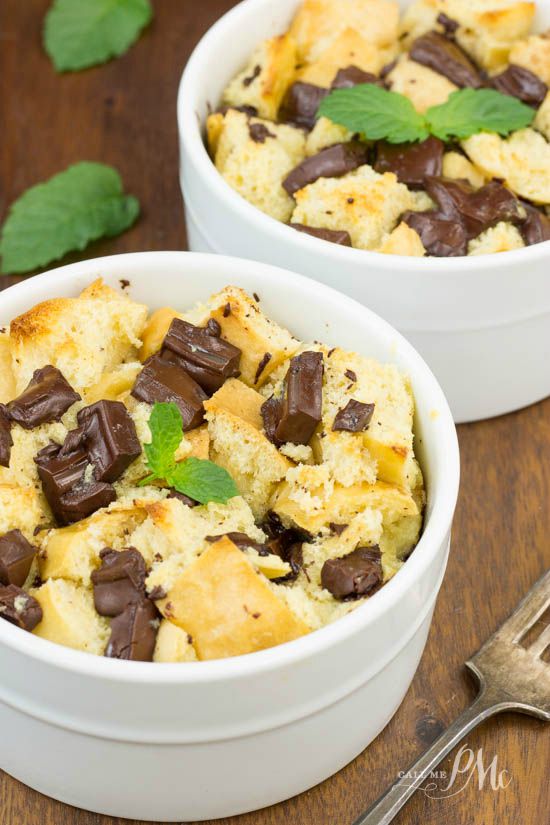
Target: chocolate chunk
x,y
189,502
337,529
411,162
301,103
110,438
294,556
251,78
354,575
450,25
206,357
351,375
354,417
119,582
271,411
227,310
521,83
301,410
6,441
213,328
18,608
536,227
259,132
339,236
163,381
249,111
441,236
16,558
241,540
353,76
333,162
47,397
85,500
477,209
437,52
60,474
134,633
262,365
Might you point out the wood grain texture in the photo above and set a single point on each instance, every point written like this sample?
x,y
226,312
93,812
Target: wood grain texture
x,y
123,113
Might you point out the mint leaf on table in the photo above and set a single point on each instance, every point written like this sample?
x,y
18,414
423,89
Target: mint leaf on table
x,y
79,205
83,33
469,111
201,480
378,114
375,113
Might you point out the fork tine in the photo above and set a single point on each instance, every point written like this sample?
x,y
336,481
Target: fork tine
x,y
539,645
529,610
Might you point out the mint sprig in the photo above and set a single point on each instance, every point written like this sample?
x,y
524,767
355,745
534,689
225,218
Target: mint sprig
x,y
82,33
378,114
79,205
199,479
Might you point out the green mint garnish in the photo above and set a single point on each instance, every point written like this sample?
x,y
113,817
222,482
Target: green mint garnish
x,y
82,33
79,205
378,114
201,480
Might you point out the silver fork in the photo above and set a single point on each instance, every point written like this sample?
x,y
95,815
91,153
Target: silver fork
x,y
510,677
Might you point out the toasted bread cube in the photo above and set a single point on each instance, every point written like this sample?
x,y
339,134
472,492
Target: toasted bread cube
x,y
319,22
21,508
70,618
83,337
196,444
155,331
500,238
325,133
73,552
522,161
227,607
173,644
245,326
403,241
7,380
214,128
265,79
256,465
257,168
421,85
114,385
238,399
542,120
363,202
533,53
349,48
457,167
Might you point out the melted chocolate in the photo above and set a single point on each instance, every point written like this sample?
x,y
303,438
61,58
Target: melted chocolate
x,y
441,236
202,353
18,608
134,633
47,397
355,417
536,227
111,439
354,575
6,441
353,76
338,236
301,103
437,52
16,558
301,409
521,83
333,162
411,162
259,132
163,381
119,582
477,209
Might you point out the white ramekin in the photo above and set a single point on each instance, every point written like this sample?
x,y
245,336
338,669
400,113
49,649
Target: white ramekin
x,y
482,323
210,739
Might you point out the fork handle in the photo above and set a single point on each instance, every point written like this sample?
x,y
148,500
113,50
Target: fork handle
x,y
390,803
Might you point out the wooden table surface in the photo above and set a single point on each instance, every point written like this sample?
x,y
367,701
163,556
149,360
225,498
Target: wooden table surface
x,y
123,113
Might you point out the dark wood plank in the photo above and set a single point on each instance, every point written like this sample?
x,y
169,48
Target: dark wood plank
x,y
124,113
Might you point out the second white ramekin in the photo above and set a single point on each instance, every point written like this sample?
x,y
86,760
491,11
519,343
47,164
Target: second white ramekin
x,y
203,740
482,323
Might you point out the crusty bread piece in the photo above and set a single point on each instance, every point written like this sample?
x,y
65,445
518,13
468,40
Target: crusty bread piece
x,y
256,169
69,617
522,161
228,608
533,53
362,202
458,167
238,399
173,644
500,238
7,379
21,508
325,133
349,48
156,330
266,77
114,385
245,326
421,85
319,22
253,462
542,119
83,337
214,129
403,241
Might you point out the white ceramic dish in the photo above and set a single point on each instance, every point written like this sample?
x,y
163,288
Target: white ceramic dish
x,y
482,323
211,739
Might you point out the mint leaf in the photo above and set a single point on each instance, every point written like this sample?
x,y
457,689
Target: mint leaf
x,y
375,113
469,111
166,425
202,480
82,33
79,205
